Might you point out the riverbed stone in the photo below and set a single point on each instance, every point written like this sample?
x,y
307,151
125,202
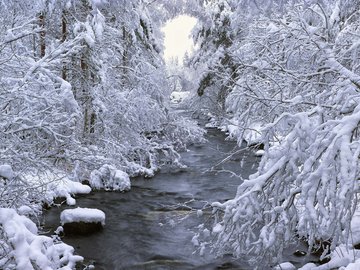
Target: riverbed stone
x,y
82,228
82,221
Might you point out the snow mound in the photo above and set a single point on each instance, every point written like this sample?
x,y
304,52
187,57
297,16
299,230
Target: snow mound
x,y
55,185
6,171
285,266
65,188
233,131
23,249
86,215
352,266
110,178
344,257
177,96
253,135
259,153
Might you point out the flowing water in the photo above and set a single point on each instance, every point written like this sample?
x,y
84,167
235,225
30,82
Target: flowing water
x,y
151,227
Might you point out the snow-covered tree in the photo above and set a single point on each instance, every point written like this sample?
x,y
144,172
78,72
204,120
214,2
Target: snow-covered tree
x,y
298,75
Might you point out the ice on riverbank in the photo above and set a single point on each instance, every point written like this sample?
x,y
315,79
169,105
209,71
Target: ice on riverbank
x,y
23,249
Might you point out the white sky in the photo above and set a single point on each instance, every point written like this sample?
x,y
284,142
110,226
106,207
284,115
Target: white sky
x,y
177,40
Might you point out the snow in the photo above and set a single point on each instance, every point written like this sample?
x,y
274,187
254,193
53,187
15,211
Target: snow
x,y
352,266
67,187
342,257
259,153
25,210
6,171
308,266
355,228
26,250
177,96
87,215
252,135
296,100
98,3
285,266
56,184
217,228
233,131
110,178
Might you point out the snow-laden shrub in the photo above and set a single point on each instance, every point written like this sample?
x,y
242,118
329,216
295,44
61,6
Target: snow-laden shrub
x,y
110,178
22,248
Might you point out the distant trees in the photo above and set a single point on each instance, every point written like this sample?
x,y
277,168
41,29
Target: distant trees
x,y
297,75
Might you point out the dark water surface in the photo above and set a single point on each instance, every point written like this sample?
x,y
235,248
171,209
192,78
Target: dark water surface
x,y
151,226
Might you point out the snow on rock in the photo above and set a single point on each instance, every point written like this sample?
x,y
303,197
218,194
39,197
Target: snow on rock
x,y
110,178
352,266
65,188
6,171
23,249
177,96
217,228
342,257
25,210
308,266
55,185
86,215
259,153
285,266
252,135
233,131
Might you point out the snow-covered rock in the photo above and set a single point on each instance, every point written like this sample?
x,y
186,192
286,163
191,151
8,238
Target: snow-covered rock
x,y
82,220
252,135
352,266
65,188
6,171
259,153
177,96
233,131
87,215
342,257
23,249
308,266
110,178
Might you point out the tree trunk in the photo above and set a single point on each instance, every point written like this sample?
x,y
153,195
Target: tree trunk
x,y
42,34
63,38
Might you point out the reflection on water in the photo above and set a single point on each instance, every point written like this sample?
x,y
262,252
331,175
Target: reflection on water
x,y
151,226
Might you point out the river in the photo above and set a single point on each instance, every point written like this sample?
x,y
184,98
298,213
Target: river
x,y
151,227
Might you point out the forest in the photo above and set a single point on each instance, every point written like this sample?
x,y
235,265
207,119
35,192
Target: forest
x,y
85,106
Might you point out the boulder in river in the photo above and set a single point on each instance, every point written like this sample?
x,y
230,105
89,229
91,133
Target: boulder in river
x,y
82,221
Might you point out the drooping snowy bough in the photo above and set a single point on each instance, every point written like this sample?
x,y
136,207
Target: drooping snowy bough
x,y
305,187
